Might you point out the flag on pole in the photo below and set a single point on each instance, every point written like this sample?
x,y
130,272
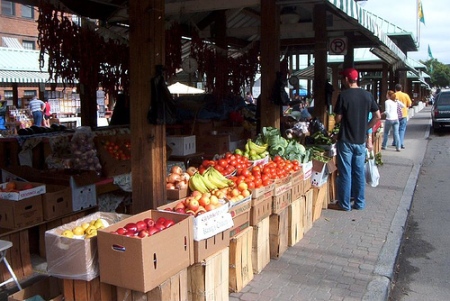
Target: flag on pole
x,y
420,12
429,52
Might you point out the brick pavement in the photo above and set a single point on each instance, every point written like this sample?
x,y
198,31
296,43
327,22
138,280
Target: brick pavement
x,y
349,255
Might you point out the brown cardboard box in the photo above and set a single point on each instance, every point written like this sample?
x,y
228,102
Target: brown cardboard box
x,y
49,288
141,264
23,213
211,145
241,217
111,166
261,208
177,194
82,183
57,201
75,258
209,246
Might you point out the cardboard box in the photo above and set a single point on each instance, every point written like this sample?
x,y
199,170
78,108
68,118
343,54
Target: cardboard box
x,y
75,258
307,169
181,145
211,145
209,246
57,201
21,191
261,208
143,264
23,213
82,183
241,217
281,202
112,166
49,288
210,223
282,185
258,192
177,194
320,172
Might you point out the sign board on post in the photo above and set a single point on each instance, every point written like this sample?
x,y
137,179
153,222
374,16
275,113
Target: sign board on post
x,y
338,45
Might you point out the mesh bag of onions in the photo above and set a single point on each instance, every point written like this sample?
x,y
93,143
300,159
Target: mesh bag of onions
x,y
84,153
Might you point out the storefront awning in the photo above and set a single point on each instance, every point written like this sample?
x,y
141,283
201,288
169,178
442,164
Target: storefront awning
x,y
387,50
23,77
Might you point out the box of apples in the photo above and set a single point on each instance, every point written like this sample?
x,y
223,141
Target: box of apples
x,y
144,250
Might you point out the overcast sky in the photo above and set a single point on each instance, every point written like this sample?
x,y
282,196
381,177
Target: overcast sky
x,y
435,32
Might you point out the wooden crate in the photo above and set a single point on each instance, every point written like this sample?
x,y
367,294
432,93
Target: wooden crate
x,y
260,245
295,221
297,189
319,198
308,219
281,201
173,289
241,269
209,279
278,233
18,256
307,184
94,290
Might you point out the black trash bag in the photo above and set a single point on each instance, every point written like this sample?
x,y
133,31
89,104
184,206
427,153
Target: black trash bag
x,y
280,96
162,107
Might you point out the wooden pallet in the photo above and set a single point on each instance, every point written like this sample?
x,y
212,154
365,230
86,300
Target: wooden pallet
x,y
18,256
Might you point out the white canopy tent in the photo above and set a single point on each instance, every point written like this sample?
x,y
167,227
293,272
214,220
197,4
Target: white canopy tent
x,y
179,88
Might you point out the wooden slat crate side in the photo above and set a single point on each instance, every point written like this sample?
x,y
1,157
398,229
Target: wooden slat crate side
x,y
108,292
319,196
297,189
209,279
260,245
241,269
94,290
278,234
308,210
295,220
174,289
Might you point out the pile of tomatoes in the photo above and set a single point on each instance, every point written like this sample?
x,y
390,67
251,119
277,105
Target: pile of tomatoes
x,y
263,175
228,164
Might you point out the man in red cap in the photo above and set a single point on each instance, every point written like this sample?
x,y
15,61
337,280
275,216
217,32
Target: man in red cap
x,y
352,110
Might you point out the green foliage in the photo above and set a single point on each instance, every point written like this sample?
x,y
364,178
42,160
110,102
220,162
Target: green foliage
x,y
439,72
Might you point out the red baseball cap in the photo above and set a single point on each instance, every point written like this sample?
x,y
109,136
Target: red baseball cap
x,y
350,73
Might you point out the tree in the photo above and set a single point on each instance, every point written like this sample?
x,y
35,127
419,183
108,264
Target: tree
x,y
439,73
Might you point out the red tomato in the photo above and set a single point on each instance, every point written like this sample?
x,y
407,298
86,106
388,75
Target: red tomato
x,y
223,162
250,185
228,155
245,172
256,169
266,182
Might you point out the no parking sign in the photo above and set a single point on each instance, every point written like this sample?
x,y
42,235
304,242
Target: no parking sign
x,y
338,45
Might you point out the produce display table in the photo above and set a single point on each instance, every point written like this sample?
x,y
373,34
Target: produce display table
x,y
187,158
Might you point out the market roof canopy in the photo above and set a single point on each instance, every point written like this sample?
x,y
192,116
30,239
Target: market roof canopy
x,y
179,88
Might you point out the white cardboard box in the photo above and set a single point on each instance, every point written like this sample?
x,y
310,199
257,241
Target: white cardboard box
x,y
181,145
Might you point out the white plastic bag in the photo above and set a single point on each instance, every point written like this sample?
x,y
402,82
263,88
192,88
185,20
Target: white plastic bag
x,y
371,169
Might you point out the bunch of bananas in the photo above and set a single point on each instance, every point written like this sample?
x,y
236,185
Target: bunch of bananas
x,y
210,180
254,151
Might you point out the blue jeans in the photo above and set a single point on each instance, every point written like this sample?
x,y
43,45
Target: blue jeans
x,y
37,118
351,180
387,127
402,130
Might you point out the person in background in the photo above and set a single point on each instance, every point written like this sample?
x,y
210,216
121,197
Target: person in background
x,y
392,119
47,113
37,107
406,100
249,98
352,110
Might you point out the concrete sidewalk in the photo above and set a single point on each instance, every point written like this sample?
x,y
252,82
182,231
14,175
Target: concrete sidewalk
x,y
351,255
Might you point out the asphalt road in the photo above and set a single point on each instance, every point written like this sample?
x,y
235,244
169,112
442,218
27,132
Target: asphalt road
x,y
423,266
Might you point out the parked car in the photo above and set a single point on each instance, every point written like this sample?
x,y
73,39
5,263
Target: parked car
x,y
440,111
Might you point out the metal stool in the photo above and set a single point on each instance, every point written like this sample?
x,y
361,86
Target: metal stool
x,y
4,246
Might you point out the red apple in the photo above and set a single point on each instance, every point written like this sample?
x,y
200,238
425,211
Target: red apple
x,y
180,210
160,220
150,222
169,223
190,212
193,205
141,225
131,227
122,231
152,230
143,233
160,226
178,206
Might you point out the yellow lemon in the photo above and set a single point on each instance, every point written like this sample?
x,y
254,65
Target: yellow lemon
x,y
91,230
67,233
99,224
84,225
78,230
90,236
